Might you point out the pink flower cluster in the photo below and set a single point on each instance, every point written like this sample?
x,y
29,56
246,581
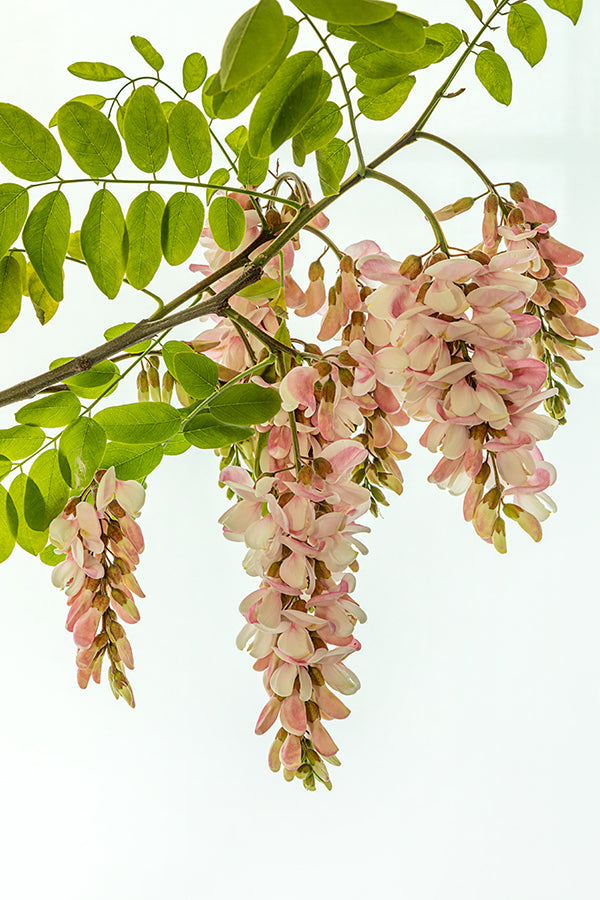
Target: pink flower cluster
x,y
102,543
453,342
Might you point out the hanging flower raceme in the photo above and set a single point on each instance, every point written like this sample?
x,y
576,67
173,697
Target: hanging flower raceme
x,y
556,301
301,534
473,376
102,543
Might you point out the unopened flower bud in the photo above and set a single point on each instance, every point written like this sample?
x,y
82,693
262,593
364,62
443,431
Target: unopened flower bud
x,y
305,475
411,266
346,378
153,361
273,219
480,257
154,384
518,191
166,391
322,467
142,386
316,272
454,209
516,217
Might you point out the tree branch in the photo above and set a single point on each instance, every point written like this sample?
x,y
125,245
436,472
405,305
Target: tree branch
x,y
144,329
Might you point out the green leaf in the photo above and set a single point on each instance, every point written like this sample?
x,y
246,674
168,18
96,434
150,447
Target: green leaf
x,y
175,446
385,105
285,104
9,523
81,448
95,381
402,33
132,461
449,36
145,130
95,71
237,138
44,305
148,52
181,227
372,62
227,104
263,289
476,9
245,404
347,12
143,221
526,32
374,87
322,126
10,292
255,39
227,222
20,441
116,330
96,101
207,432
189,139
194,72
570,8
31,541
219,176
90,138
298,149
170,349
74,248
167,107
139,423
46,491
27,148
252,171
332,162
5,467
53,411
46,238
196,373
14,205
493,73
104,242
50,556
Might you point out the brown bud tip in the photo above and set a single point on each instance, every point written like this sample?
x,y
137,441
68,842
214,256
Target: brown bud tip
x,y
411,266
316,272
491,204
346,264
329,391
516,217
305,475
518,191
480,257
346,360
346,377
273,219
322,467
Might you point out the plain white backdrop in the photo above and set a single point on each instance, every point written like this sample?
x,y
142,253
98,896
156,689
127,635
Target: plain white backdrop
x,y
470,760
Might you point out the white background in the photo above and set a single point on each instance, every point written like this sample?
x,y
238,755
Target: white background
x,y
470,760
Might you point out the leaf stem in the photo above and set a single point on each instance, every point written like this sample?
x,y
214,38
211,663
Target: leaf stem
x,y
359,151
188,184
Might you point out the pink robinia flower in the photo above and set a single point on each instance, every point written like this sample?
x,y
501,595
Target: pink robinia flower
x,y
102,542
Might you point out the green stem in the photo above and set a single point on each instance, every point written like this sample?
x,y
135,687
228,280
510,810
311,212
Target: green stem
x,y
361,158
188,184
326,240
429,214
470,162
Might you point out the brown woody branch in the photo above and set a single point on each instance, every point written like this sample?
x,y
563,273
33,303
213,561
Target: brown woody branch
x,y
145,329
